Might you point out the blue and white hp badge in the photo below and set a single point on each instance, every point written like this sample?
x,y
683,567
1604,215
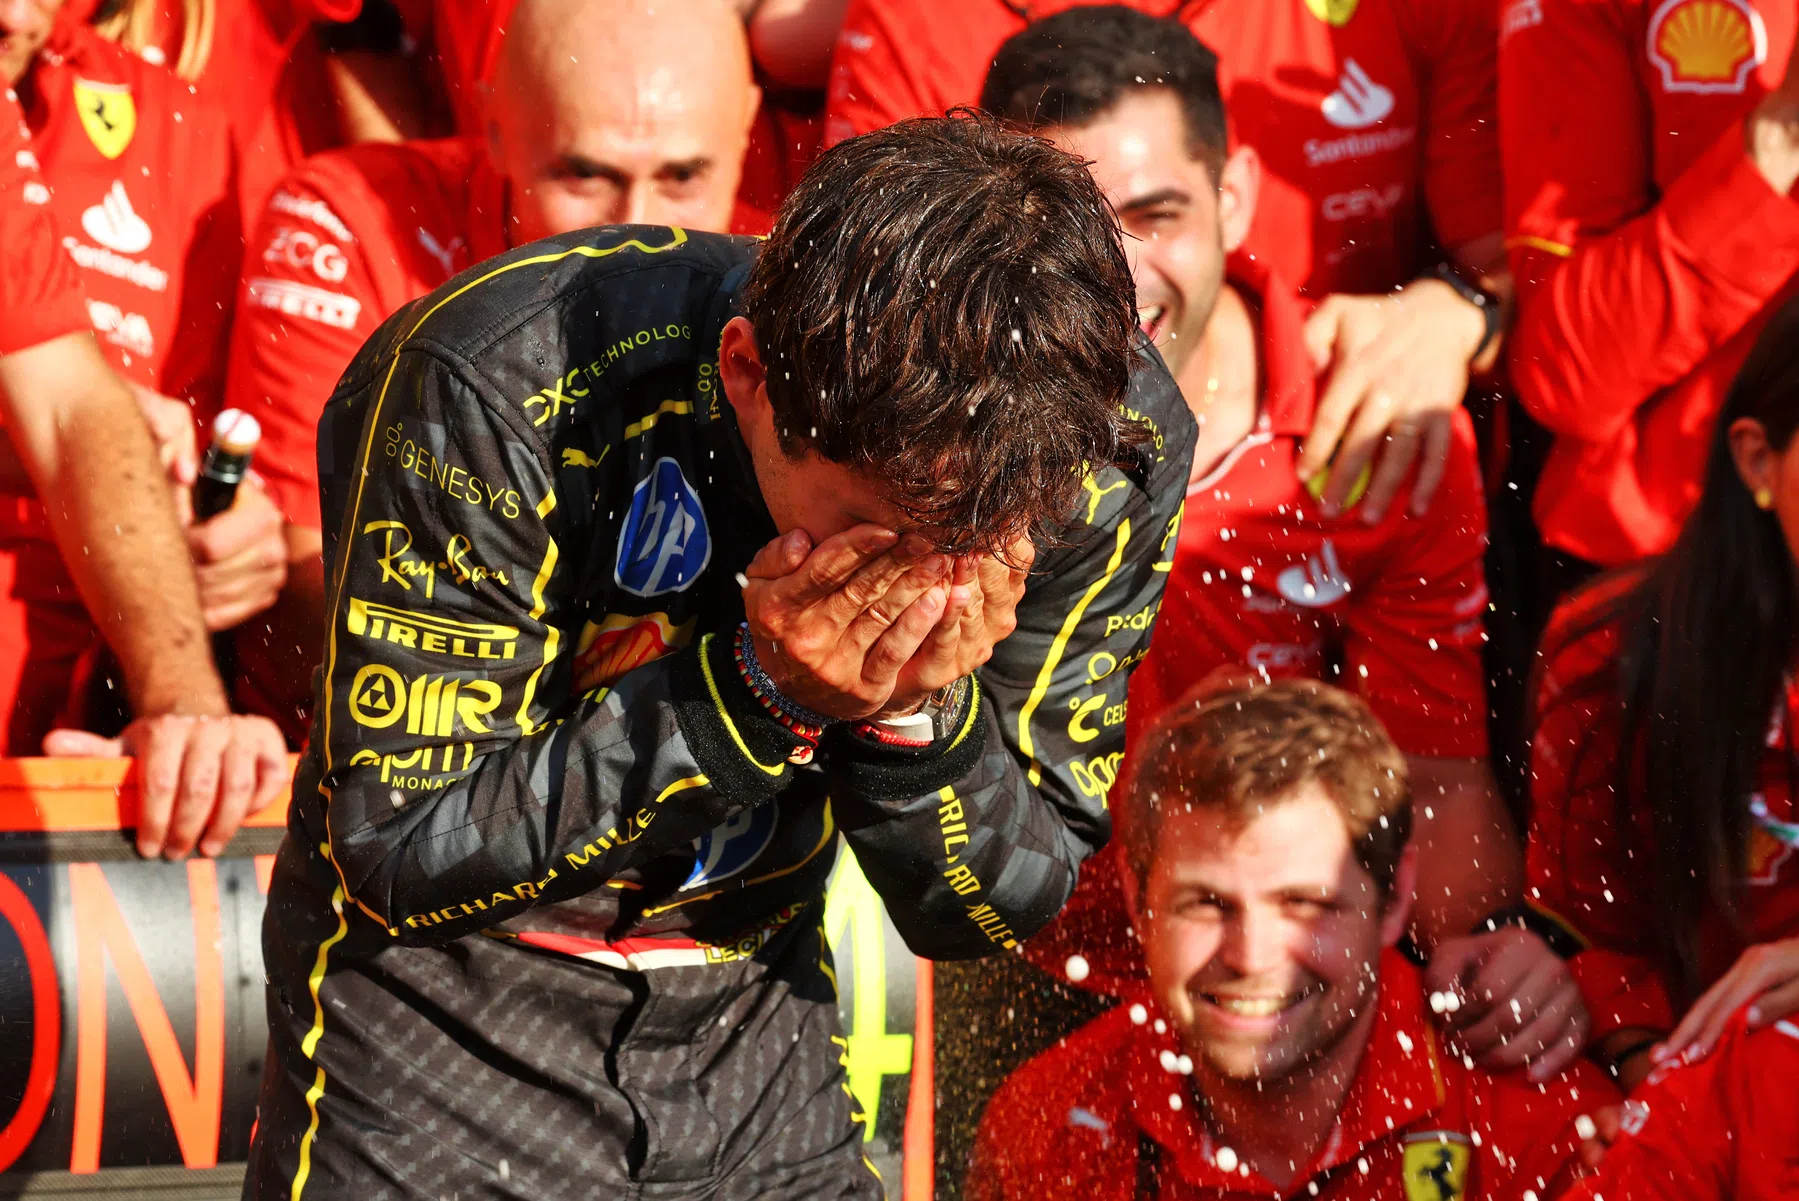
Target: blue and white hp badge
x,y
664,544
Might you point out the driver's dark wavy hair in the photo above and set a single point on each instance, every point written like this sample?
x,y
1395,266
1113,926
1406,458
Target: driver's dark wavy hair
x,y
946,305
1706,635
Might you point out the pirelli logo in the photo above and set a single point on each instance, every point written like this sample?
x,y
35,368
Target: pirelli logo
x,y
431,634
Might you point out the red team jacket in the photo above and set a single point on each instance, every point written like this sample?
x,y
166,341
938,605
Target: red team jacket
x,y
1262,581
1099,1118
1375,118
1581,871
1648,249
1723,1128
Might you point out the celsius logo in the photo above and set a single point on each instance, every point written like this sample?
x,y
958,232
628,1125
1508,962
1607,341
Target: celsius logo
x,y
1358,101
664,544
729,850
115,224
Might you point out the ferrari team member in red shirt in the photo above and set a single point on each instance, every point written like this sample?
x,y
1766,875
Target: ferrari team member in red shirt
x,y
1288,1049
1261,578
1722,1127
138,170
1376,124
1665,821
643,120
77,439
1650,149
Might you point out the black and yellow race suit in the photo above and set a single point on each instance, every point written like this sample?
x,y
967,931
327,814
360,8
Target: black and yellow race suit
x,y
546,922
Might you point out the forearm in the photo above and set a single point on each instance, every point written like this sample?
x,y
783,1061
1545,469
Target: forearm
x,y
970,858
92,461
1469,860
1607,322
438,840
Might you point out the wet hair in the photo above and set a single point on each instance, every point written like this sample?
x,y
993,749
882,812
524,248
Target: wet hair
x,y
1072,68
946,305
1705,635
1239,747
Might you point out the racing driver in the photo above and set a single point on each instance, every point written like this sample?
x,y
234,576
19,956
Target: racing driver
x,y
656,559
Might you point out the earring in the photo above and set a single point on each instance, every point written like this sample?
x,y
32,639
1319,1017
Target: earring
x,y
1764,499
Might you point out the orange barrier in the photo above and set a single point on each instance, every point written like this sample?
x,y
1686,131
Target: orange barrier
x,y
136,1030
69,795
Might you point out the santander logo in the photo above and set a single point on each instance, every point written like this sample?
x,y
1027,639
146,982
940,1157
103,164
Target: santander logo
x,y
1358,101
115,224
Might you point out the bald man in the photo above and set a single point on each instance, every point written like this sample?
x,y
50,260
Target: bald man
x,y
601,112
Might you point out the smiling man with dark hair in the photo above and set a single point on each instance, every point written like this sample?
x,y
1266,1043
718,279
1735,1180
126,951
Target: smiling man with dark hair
x,y
649,545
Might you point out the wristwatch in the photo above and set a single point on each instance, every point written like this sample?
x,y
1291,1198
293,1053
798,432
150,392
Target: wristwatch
x,y
936,719
1491,310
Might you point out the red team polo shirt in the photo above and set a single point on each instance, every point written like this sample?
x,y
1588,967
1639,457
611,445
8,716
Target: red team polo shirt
x,y
1723,1128
1375,119
1262,581
1096,1119
1580,870
139,166
344,241
1649,251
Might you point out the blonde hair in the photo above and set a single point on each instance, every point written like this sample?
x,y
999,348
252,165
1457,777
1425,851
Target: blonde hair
x,y
133,25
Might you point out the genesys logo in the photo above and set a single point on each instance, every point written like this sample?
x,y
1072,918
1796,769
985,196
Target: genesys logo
x,y
115,224
664,543
430,634
1358,101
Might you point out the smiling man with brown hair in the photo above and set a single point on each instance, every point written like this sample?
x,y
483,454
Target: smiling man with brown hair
x,y
1283,1046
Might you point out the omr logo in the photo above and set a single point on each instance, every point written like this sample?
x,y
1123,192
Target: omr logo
x,y
664,544
731,848
433,706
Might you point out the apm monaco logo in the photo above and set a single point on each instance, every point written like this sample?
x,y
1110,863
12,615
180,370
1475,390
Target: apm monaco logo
x,y
1707,46
664,544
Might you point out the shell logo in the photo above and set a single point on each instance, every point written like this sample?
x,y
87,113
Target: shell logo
x,y
1707,46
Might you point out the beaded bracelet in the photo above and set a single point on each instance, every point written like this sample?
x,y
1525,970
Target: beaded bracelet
x,y
798,720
